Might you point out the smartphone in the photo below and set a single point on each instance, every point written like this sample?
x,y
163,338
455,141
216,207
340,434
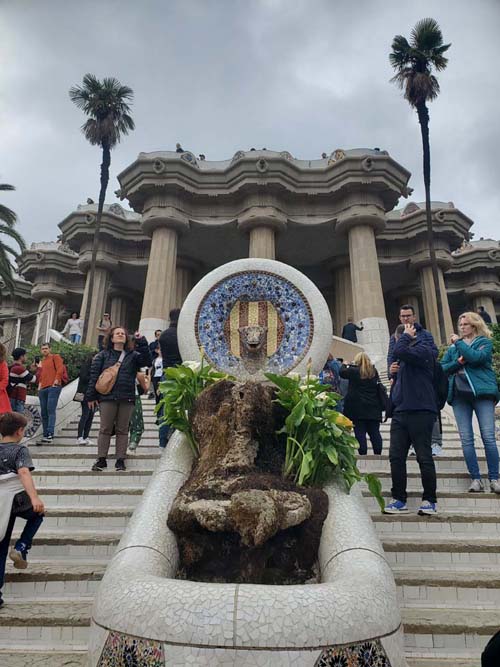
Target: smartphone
x,y
37,360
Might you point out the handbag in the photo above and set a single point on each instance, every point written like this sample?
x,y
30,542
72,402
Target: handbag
x,y
144,381
79,396
382,396
21,503
106,380
462,388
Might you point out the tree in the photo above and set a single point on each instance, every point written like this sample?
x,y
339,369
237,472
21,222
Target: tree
x,y
414,62
8,220
106,105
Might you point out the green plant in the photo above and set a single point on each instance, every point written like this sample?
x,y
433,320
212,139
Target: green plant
x,y
495,330
73,355
8,220
319,441
179,391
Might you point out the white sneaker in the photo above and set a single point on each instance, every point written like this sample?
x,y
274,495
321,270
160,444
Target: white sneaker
x,y
476,486
437,450
82,441
88,441
495,486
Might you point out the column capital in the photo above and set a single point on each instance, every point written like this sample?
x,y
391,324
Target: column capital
x,y
103,261
164,216
48,291
262,216
478,290
361,215
420,259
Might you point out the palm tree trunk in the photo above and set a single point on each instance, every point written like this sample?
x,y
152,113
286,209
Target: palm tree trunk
x,y
106,161
423,119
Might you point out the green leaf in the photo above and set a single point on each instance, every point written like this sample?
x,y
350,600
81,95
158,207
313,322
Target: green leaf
x,y
333,455
305,467
375,488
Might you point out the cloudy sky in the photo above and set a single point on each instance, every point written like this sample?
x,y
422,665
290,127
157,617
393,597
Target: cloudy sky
x,y
305,76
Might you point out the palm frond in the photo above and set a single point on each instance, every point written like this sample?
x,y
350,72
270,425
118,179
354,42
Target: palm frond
x,y
13,234
426,35
6,186
400,55
10,250
7,215
6,271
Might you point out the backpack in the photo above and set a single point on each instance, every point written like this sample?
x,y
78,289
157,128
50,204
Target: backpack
x,y
440,382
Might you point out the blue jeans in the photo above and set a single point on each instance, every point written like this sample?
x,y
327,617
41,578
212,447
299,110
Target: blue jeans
x,y
485,413
75,338
48,405
33,523
17,405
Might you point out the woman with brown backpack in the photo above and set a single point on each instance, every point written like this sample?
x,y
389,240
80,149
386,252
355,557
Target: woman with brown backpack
x,y
112,386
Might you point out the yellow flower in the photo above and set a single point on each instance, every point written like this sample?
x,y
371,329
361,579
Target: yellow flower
x,y
342,420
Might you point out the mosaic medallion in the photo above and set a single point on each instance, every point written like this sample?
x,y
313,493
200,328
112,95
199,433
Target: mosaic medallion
x,y
127,651
32,414
367,654
254,321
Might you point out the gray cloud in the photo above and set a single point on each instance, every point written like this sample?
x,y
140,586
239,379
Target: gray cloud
x,y
220,75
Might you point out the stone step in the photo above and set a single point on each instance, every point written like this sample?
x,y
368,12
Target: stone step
x,y
77,461
444,464
442,658
77,478
447,500
455,585
54,578
76,543
449,627
87,517
91,495
56,622
443,523
41,654
417,549
146,445
456,483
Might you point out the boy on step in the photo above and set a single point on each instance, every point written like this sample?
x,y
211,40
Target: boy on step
x,y
18,496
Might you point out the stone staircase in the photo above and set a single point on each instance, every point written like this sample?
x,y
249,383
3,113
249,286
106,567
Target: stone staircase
x,y
47,612
447,567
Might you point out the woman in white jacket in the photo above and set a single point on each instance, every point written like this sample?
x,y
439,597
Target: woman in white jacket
x,y
73,328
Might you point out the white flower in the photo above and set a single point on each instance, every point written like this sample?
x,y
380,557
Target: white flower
x,y
322,396
193,365
293,375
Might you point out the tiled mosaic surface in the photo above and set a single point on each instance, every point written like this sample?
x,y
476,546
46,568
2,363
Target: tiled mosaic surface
x,y
121,650
294,317
125,651
367,654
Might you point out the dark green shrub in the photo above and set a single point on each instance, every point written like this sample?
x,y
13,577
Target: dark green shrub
x,y
73,355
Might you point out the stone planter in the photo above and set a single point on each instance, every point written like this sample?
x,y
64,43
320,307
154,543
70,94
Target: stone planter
x,y
141,610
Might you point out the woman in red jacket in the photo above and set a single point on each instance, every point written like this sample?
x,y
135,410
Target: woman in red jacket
x,y
4,381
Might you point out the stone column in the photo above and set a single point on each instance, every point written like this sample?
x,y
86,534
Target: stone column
x,y
118,309
343,297
163,224
97,303
430,303
183,281
262,223
361,222
487,302
49,302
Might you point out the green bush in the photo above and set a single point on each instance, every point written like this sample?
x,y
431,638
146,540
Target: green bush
x,y
73,355
495,329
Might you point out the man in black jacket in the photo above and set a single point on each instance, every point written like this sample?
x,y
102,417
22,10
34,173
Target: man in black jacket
x,y
349,330
171,357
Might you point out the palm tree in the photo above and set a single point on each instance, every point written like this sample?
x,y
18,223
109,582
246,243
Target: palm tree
x,y
414,62
8,220
106,105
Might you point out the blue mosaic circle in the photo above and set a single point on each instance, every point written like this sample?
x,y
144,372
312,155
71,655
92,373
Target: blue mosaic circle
x,y
255,286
